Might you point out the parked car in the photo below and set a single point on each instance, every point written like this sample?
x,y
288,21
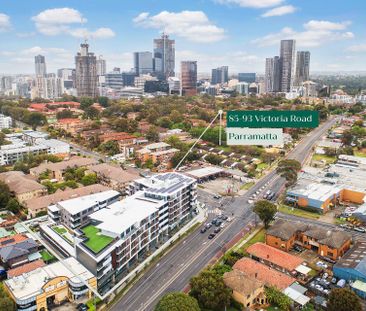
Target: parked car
x,y
217,230
250,201
211,236
334,280
359,229
82,307
203,230
322,265
218,223
208,225
224,217
213,221
341,283
327,260
217,196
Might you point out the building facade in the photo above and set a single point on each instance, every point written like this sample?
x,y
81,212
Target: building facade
x,y
248,77
86,72
143,62
220,75
287,59
101,66
164,57
302,73
40,65
189,77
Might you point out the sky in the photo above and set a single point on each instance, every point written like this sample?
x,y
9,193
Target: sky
x,y
237,33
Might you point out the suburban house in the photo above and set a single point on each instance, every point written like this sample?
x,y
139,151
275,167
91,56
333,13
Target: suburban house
x,y
285,234
248,291
22,186
274,257
157,152
17,250
265,274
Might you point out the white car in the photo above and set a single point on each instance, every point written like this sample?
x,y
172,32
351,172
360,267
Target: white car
x,y
250,201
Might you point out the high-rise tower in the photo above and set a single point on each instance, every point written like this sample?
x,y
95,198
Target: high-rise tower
x,y
86,72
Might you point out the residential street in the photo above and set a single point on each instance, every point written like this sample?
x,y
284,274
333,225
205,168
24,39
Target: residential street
x,y
174,270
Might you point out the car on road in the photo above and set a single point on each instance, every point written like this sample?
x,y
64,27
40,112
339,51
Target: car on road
x,y
217,196
271,196
228,219
217,230
359,229
211,236
208,225
203,230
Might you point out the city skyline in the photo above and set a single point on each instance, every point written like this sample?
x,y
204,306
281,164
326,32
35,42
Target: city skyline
x,y
237,33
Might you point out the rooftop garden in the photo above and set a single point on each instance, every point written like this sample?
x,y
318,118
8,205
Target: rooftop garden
x,y
62,232
96,241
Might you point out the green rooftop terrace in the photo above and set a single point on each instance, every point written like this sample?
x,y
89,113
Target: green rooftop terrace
x,y
96,241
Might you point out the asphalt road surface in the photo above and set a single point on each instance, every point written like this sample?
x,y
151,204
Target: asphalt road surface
x,y
174,270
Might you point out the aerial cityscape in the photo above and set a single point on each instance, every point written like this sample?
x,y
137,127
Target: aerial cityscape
x,y
193,156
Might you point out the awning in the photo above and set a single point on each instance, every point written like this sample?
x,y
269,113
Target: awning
x,y
296,296
303,269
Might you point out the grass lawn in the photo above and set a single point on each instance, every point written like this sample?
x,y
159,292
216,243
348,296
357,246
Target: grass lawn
x,y
96,241
59,230
297,212
259,237
46,256
247,185
327,159
262,166
359,153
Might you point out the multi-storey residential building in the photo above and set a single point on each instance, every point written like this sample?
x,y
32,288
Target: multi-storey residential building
x,y
74,213
5,122
68,77
101,66
189,77
164,57
269,75
220,75
10,156
34,137
155,152
86,72
49,87
302,73
143,62
40,65
287,58
122,233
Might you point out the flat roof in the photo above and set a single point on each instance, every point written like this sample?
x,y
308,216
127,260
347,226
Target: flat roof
x,y
205,171
30,284
119,216
54,143
77,205
296,296
316,191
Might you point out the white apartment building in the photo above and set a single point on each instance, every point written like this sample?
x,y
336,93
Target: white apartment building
x,y
5,122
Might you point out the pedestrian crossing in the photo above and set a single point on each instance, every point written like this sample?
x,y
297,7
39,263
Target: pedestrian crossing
x,y
215,211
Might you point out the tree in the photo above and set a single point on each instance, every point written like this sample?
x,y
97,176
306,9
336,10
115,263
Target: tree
x,y
36,119
89,179
343,299
86,102
4,195
152,134
347,138
177,302
288,169
103,101
91,113
13,206
210,290
110,147
265,210
278,298
64,114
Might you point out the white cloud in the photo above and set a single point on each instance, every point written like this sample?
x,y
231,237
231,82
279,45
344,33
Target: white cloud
x,y
279,11
257,4
100,33
4,22
357,48
315,33
191,25
59,21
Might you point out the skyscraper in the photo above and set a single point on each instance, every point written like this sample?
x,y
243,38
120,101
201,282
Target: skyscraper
x,y
276,74
101,66
143,62
86,72
269,75
68,76
220,75
40,65
248,77
302,67
164,57
287,55
189,77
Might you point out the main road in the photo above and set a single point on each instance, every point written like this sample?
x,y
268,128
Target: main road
x,y
174,270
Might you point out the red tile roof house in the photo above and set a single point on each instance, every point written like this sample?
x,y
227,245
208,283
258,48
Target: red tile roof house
x,y
269,276
274,257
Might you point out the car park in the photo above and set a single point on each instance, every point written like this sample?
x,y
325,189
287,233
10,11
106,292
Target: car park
x,y
217,230
211,235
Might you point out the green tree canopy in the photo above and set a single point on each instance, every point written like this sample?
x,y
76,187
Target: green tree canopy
x,y
343,299
177,302
265,210
210,290
152,134
4,195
